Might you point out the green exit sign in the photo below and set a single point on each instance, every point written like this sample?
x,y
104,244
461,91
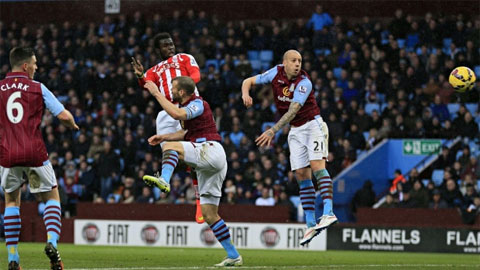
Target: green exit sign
x,y
421,147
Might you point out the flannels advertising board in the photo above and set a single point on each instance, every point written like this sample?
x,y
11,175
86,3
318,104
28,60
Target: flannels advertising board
x,y
190,234
404,239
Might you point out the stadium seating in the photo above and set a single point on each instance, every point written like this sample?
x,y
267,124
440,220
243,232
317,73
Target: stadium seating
x,y
446,43
266,56
474,149
337,72
369,107
459,153
412,41
366,134
425,182
253,55
453,109
472,107
437,177
212,62
256,65
266,65
476,69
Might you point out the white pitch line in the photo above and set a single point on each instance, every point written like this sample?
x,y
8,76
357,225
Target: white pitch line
x,y
287,266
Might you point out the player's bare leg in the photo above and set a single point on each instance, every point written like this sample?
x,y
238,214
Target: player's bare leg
x,y
222,233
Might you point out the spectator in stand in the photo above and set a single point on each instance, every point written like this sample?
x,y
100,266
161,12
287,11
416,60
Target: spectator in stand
x,y
265,199
439,109
283,200
318,23
472,211
452,194
437,202
419,195
469,128
364,197
406,200
397,178
389,202
146,196
464,158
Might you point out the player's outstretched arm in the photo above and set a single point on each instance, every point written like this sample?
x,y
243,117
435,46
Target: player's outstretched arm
x,y
246,86
176,136
174,111
267,136
67,119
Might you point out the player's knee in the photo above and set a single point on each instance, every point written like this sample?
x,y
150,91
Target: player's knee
x,y
167,146
210,217
302,174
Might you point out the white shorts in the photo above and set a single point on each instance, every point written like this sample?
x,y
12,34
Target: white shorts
x,y
40,179
308,142
166,124
210,163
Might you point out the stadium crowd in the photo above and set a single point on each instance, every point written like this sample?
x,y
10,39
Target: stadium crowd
x,y
373,79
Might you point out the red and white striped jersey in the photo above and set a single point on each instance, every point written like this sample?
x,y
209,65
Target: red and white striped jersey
x,y
181,64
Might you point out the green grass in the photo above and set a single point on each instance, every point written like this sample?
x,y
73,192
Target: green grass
x,y
107,257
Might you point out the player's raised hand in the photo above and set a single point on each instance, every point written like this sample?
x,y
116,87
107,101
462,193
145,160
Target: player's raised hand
x,y
137,67
156,139
247,100
266,138
152,88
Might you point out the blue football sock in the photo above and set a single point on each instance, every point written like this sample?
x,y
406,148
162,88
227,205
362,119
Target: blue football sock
x,y
169,162
12,225
52,217
325,185
307,197
222,234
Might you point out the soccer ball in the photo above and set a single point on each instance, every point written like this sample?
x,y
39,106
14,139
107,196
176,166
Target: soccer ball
x,y
462,79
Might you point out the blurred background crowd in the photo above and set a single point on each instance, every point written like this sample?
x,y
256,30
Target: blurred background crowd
x,y
373,79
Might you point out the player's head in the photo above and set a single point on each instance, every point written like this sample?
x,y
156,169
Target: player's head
x,y
164,43
23,60
292,61
182,86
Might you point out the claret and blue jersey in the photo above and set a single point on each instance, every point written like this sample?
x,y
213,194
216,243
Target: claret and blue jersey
x,y
300,90
22,102
287,91
200,125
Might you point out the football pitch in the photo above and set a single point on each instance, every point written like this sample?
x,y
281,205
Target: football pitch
x,y
161,258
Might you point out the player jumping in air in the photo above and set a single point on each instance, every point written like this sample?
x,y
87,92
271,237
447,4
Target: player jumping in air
x,y
198,144
22,150
307,139
171,66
